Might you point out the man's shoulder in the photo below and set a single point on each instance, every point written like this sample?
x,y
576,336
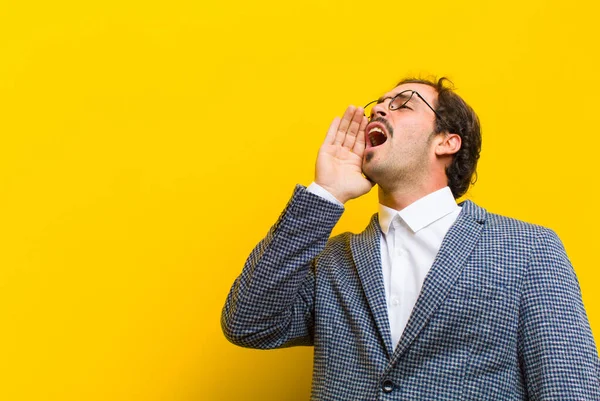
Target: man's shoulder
x,y
503,222
499,225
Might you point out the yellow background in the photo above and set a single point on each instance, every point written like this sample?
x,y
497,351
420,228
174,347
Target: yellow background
x,y
147,146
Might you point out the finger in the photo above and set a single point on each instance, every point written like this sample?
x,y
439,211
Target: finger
x,y
344,124
359,145
330,137
353,128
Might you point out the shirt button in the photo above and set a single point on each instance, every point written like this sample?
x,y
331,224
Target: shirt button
x,y
395,301
387,386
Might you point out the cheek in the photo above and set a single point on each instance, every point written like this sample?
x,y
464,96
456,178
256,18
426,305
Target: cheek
x,y
411,123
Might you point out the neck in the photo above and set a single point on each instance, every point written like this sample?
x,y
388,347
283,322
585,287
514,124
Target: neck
x,y
399,198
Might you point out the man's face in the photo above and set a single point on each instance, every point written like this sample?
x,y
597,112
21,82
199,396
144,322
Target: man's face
x,y
399,142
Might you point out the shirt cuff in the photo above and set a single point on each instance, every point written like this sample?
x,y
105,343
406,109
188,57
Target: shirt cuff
x,y
318,190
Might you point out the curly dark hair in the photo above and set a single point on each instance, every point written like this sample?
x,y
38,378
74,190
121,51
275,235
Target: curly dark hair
x,y
458,118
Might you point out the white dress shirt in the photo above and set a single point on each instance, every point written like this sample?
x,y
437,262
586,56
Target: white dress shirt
x,y
410,242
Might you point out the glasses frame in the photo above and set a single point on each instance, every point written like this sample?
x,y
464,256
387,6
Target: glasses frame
x,y
412,92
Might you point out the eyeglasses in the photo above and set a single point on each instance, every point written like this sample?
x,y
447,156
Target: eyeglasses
x,y
398,101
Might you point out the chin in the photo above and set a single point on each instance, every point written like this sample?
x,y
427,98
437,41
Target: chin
x,y
370,172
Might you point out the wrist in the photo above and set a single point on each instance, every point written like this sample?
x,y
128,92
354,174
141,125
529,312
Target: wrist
x,y
341,198
318,190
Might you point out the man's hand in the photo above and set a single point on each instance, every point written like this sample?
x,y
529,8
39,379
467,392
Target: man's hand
x,y
339,162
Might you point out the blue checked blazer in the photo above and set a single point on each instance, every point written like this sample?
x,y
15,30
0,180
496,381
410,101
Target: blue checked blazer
x,y
499,317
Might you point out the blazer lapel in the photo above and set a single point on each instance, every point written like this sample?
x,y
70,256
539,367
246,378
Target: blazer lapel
x,y
366,251
447,267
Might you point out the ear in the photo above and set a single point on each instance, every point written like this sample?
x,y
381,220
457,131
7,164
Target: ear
x,y
447,144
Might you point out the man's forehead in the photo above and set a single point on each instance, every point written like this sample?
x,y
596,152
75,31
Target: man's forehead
x,y
428,92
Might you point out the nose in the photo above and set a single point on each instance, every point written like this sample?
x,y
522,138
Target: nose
x,y
379,109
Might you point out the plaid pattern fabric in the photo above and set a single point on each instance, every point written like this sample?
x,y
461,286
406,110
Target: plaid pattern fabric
x,y
499,316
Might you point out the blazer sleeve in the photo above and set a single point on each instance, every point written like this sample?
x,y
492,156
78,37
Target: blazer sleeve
x,y
557,350
271,303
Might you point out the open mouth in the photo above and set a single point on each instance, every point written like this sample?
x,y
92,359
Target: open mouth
x,y
376,135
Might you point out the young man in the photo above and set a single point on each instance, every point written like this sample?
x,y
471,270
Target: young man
x,y
434,300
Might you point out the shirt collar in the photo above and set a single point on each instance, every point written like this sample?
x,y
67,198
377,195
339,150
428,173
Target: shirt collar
x,y
420,213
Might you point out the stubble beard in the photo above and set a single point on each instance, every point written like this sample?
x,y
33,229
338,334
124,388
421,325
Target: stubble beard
x,y
392,177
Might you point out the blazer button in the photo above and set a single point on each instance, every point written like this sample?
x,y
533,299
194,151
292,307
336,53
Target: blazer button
x,y
387,386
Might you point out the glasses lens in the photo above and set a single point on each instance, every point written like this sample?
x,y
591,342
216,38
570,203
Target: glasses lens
x,y
397,102
401,99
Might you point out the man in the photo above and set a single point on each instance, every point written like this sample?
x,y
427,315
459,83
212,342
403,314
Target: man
x,y
434,300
